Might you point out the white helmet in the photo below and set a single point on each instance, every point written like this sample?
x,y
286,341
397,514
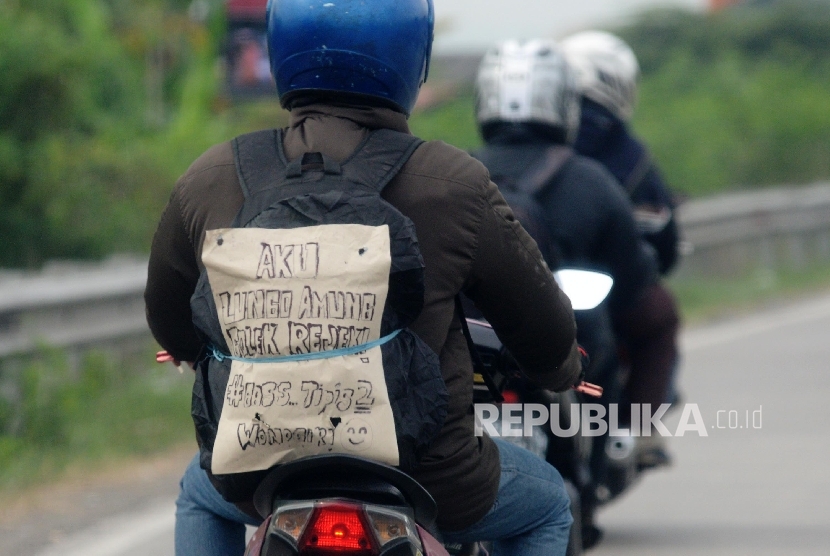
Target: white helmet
x,y
527,82
606,68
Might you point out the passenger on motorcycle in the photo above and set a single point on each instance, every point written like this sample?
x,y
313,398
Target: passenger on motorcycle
x,y
344,70
528,110
607,74
607,78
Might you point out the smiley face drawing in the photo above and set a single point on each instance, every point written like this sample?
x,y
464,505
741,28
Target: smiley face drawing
x,y
355,435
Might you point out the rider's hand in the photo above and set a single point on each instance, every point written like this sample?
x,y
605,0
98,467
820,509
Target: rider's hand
x,y
584,360
582,386
164,357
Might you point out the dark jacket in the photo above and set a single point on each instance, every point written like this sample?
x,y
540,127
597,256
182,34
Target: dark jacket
x,y
590,220
606,139
470,242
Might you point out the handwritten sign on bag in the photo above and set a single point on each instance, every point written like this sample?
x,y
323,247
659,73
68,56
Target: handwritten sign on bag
x,y
292,293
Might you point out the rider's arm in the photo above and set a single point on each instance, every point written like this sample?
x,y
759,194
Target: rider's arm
x,y
655,194
171,278
206,197
515,290
630,259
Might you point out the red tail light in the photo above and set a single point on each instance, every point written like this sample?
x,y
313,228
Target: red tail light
x,y
338,529
510,396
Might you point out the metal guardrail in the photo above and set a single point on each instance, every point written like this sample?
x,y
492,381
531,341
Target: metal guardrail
x,y
733,233
76,305
72,305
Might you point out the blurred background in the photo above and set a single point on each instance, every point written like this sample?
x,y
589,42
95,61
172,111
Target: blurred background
x,y
104,103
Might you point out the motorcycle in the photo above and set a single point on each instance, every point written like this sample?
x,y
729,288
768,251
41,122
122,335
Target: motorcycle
x,y
596,468
337,504
343,505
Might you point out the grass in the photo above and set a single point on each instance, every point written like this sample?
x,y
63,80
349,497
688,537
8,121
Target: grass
x,y
706,299
88,415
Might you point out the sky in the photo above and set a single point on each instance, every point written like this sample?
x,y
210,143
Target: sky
x,y
473,25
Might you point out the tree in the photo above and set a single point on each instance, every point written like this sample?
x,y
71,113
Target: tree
x,y
86,162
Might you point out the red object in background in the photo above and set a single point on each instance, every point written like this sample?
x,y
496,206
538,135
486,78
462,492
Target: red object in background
x,y
246,53
715,5
246,9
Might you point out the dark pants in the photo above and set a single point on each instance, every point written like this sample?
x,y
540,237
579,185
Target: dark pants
x,y
649,342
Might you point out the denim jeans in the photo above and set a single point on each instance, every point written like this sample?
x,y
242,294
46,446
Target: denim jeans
x,y
530,517
207,525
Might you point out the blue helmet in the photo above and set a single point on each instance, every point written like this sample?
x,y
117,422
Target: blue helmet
x,y
374,48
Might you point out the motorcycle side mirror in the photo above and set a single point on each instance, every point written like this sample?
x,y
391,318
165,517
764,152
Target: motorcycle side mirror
x,y
585,288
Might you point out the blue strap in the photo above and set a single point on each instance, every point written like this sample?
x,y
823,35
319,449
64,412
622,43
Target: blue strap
x,y
219,356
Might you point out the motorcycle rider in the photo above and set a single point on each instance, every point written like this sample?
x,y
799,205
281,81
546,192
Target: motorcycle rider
x,y
607,76
527,108
343,70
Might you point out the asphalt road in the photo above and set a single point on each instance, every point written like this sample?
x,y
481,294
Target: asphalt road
x,y
742,491
758,489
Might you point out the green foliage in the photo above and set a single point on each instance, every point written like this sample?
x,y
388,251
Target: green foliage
x,y
702,299
736,98
95,409
91,134
63,81
453,122
794,31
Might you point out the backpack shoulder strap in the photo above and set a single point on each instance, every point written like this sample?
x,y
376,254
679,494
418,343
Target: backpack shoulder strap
x,y
538,176
266,176
260,160
635,179
379,158
261,163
